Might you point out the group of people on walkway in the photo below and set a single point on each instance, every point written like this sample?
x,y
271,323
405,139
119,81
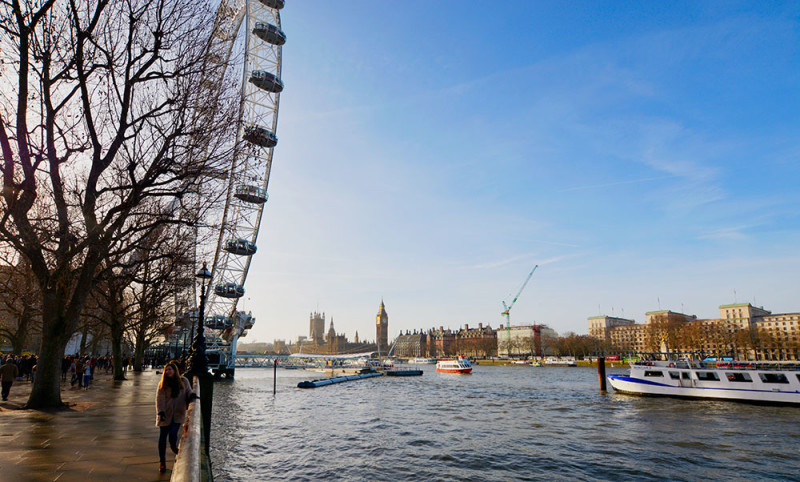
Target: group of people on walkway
x,y
80,369
13,368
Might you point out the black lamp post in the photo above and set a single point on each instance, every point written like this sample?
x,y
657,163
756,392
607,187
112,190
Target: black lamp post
x,y
184,331
191,335
197,360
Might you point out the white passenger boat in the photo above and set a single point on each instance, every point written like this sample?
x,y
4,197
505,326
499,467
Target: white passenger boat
x,y
741,381
560,362
460,365
422,361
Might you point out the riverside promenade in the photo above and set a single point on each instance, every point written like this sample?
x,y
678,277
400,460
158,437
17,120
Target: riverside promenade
x,y
107,433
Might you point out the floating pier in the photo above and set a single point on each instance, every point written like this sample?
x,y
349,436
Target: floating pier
x,y
410,372
321,382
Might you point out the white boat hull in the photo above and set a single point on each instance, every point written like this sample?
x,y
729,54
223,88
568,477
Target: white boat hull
x,y
688,383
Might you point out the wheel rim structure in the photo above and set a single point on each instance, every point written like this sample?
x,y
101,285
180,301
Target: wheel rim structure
x,y
248,177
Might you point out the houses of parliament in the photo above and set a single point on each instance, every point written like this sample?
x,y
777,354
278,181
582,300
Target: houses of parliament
x,y
331,343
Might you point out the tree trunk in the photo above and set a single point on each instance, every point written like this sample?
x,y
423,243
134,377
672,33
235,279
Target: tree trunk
x,y
21,337
84,334
58,325
46,391
17,344
116,348
138,352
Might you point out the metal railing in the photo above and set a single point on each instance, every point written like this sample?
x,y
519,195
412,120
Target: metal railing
x,y
192,463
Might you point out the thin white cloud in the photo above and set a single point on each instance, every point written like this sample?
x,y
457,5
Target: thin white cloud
x,y
729,233
514,259
616,183
501,262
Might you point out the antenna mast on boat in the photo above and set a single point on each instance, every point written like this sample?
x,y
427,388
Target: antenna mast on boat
x,y
507,308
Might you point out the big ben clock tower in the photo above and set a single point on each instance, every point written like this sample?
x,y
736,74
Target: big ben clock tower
x,y
382,330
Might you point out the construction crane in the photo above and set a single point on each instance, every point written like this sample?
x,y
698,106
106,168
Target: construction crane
x,y
507,308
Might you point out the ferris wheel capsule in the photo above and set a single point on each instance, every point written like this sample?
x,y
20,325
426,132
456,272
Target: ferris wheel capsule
x,y
251,194
260,136
276,4
229,290
269,33
241,247
266,80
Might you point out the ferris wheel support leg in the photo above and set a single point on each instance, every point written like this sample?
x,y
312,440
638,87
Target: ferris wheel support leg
x,y
230,369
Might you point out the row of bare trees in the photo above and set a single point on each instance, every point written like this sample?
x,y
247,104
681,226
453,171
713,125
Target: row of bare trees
x,y
128,308
719,338
104,133
571,345
479,347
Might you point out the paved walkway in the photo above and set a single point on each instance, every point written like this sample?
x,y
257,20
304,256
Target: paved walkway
x,y
108,433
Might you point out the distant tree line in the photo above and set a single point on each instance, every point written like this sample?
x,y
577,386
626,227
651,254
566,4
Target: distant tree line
x,y
569,345
719,338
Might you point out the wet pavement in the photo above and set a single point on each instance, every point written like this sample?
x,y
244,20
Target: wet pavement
x,y
108,432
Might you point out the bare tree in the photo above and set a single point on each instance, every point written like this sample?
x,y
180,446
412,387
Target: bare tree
x,y
766,343
154,293
111,305
19,302
547,342
133,296
488,346
743,341
102,109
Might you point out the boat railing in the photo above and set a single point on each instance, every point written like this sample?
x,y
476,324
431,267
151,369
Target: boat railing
x,y
751,365
729,365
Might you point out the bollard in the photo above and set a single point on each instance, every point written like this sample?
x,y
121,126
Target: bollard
x,y
274,375
601,371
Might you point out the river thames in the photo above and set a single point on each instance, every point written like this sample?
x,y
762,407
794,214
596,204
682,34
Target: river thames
x,y
499,423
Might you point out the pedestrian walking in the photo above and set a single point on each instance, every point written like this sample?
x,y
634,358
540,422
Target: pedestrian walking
x,y
79,371
172,398
8,373
73,372
87,375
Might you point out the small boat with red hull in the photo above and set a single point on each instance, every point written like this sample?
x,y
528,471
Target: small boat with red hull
x,y
460,365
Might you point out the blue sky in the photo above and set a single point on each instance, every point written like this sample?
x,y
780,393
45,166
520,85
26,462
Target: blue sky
x,y
644,154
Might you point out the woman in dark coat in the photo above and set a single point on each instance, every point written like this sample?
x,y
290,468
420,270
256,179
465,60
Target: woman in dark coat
x,y
172,398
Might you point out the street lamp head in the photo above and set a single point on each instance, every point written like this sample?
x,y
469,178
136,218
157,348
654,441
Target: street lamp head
x,y
203,274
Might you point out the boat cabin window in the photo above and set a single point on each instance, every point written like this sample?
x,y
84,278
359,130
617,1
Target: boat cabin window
x,y
653,373
738,377
773,378
675,375
708,376
685,375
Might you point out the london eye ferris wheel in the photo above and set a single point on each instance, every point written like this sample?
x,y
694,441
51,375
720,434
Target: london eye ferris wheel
x,y
251,28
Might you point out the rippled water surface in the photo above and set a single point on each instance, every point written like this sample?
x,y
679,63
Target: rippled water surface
x,y
499,423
